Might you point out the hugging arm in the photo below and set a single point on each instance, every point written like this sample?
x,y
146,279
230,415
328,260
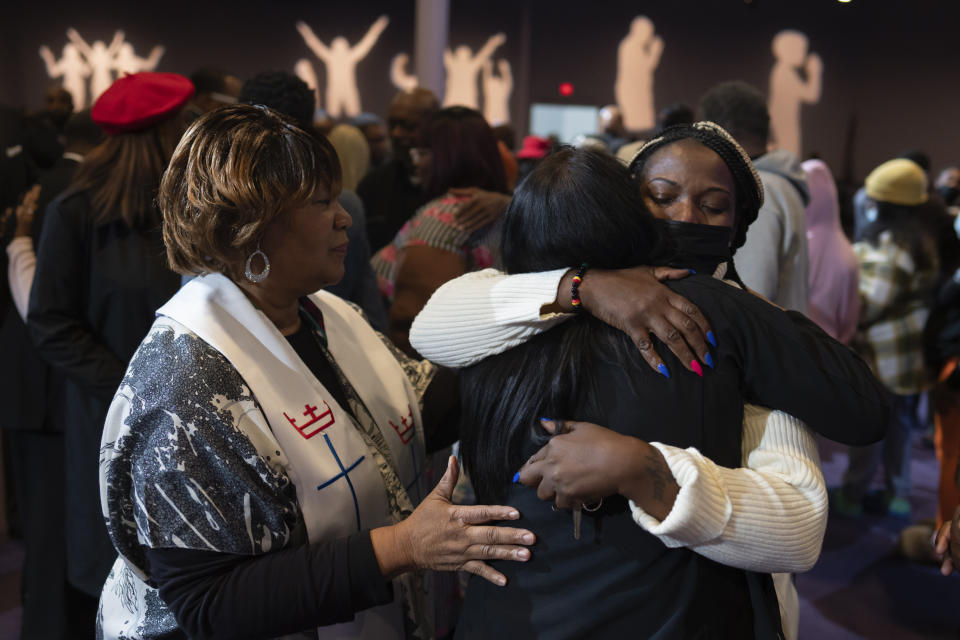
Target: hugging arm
x,y
487,312
790,364
769,515
422,270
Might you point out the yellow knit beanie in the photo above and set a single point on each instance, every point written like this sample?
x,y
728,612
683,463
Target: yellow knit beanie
x,y
898,181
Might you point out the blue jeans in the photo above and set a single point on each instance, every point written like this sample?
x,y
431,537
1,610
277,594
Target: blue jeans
x,y
894,448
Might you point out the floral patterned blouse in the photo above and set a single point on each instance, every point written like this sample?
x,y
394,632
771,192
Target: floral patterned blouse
x,y
433,226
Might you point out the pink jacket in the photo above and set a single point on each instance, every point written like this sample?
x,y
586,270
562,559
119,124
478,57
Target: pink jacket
x,y
834,271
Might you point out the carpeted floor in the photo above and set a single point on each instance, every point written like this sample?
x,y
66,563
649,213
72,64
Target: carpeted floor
x,y
11,561
860,588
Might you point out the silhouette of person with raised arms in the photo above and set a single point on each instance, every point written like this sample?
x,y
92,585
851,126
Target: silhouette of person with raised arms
x,y
637,59
788,89
462,68
73,68
100,57
496,92
129,62
341,60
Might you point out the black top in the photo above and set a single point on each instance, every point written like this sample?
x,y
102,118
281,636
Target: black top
x,y
95,292
390,199
620,581
222,595
305,343
29,391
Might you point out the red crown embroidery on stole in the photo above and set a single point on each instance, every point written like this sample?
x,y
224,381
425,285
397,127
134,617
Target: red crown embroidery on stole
x,y
307,429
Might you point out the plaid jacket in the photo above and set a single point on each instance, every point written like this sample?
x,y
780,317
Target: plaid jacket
x,y
894,305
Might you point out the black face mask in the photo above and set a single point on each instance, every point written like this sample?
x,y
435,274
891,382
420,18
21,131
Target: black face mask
x,y
949,195
694,246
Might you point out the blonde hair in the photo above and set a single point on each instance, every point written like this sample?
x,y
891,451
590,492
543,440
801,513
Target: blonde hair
x,y
236,170
354,153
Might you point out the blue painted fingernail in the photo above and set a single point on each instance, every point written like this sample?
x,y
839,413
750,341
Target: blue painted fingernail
x,y
709,360
516,477
712,340
545,419
693,272
662,368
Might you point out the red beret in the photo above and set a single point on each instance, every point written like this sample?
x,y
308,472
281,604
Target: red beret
x,y
140,100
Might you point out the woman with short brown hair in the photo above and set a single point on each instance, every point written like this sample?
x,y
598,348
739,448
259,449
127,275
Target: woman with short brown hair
x,y
264,457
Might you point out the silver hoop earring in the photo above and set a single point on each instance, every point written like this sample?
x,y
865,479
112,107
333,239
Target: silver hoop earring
x,y
248,270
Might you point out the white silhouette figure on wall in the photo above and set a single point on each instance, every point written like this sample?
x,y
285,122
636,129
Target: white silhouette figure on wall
x,y
101,58
789,89
496,92
98,62
74,70
341,61
304,70
398,73
129,62
462,69
637,59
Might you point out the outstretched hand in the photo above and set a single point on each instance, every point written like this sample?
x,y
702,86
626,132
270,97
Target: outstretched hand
x,y
636,302
443,536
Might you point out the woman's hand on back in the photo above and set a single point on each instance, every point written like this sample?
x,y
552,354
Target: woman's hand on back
x,y
636,302
584,462
443,536
483,208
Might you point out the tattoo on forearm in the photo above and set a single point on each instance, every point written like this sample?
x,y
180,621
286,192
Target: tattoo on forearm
x,y
658,472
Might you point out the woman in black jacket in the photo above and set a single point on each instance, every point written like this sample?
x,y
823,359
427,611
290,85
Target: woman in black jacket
x,y
101,274
633,583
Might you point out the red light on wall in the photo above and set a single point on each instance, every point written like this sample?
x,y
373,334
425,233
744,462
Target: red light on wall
x,y
565,88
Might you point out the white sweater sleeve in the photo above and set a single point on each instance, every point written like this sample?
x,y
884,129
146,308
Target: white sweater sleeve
x,y
484,313
769,515
22,265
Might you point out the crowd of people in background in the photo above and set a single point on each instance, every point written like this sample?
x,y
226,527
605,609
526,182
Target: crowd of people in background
x,y
444,262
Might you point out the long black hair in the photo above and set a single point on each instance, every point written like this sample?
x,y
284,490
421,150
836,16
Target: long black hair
x,y
577,206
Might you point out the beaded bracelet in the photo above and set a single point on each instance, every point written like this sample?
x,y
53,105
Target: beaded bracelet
x,y
575,287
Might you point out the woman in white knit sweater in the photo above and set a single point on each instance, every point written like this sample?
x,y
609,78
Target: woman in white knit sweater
x,y
766,516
